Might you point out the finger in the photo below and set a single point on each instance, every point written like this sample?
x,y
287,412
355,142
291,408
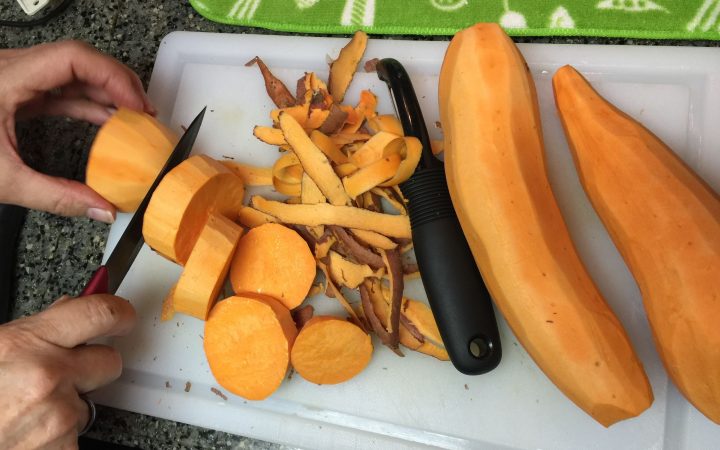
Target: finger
x,y
95,366
59,196
73,61
60,300
78,108
75,322
82,90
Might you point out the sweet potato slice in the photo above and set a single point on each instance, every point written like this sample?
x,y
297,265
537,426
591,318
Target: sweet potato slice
x,y
128,152
247,344
206,269
314,161
183,201
278,92
344,216
168,308
273,260
343,68
329,350
251,175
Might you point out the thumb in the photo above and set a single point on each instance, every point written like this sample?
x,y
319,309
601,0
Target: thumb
x,y
61,196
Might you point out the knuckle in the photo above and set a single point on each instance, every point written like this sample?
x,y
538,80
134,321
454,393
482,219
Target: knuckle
x,y
102,310
42,379
74,46
63,419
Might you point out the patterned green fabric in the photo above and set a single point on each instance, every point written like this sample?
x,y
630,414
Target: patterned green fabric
x,y
664,19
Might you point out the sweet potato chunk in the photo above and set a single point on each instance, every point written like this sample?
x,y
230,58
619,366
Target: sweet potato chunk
x,y
329,350
207,267
273,260
247,344
183,201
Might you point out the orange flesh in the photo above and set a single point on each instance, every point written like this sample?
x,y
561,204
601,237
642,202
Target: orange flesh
x,y
273,260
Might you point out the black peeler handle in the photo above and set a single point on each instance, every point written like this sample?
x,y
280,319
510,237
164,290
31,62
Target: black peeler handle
x,y
456,292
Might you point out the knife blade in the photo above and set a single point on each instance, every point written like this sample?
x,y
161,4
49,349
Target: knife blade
x,y
456,291
108,277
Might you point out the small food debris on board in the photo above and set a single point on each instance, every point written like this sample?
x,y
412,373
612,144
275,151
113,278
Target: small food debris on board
x,y
467,388
167,385
219,393
188,385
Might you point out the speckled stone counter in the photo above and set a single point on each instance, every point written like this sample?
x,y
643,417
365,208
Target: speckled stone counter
x,y
56,255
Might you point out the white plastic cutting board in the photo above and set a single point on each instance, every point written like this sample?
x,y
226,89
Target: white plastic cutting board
x,y
415,401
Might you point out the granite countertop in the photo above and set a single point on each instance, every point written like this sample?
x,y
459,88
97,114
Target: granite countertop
x,y
57,255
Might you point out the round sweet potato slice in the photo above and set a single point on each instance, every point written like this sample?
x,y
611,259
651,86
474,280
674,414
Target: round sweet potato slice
x,y
247,344
273,260
330,350
183,201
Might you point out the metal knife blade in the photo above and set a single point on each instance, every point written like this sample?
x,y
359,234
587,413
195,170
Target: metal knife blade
x,y
107,278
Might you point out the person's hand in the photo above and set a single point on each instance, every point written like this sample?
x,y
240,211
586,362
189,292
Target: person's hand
x,y
45,365
63,78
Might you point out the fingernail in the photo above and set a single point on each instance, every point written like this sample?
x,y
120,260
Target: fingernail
x,y
101,215
111,110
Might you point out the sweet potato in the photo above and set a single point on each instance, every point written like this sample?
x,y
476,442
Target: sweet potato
x,y
206,268
329,350
128,152
251,217
344,67
347,273
377,147
182,202
247,344
328,147
374,239
273,260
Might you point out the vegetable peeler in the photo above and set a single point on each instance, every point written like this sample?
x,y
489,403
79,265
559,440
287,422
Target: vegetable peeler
x,y
456,292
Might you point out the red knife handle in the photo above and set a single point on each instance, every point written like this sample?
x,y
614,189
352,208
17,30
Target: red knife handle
x,y
98,284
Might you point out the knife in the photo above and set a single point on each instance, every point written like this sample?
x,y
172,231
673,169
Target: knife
x,y
107,278
456,292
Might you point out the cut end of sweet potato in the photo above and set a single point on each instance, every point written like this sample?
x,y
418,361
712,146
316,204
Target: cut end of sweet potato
x,y
126,156
329,350
276,261
206,269
247,344
183,201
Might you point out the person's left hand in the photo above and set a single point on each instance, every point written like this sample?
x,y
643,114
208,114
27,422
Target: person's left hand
x,y
63,78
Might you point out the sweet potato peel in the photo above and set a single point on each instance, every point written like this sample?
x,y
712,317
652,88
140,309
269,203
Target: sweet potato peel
x,y
275,88
344,67
326,214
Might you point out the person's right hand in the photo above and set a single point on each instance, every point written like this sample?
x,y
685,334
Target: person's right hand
x,y
45,365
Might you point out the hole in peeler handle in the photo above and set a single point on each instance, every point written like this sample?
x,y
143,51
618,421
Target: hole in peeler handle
x,y
480,347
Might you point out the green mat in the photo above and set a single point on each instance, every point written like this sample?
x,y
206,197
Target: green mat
x,y
663,19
